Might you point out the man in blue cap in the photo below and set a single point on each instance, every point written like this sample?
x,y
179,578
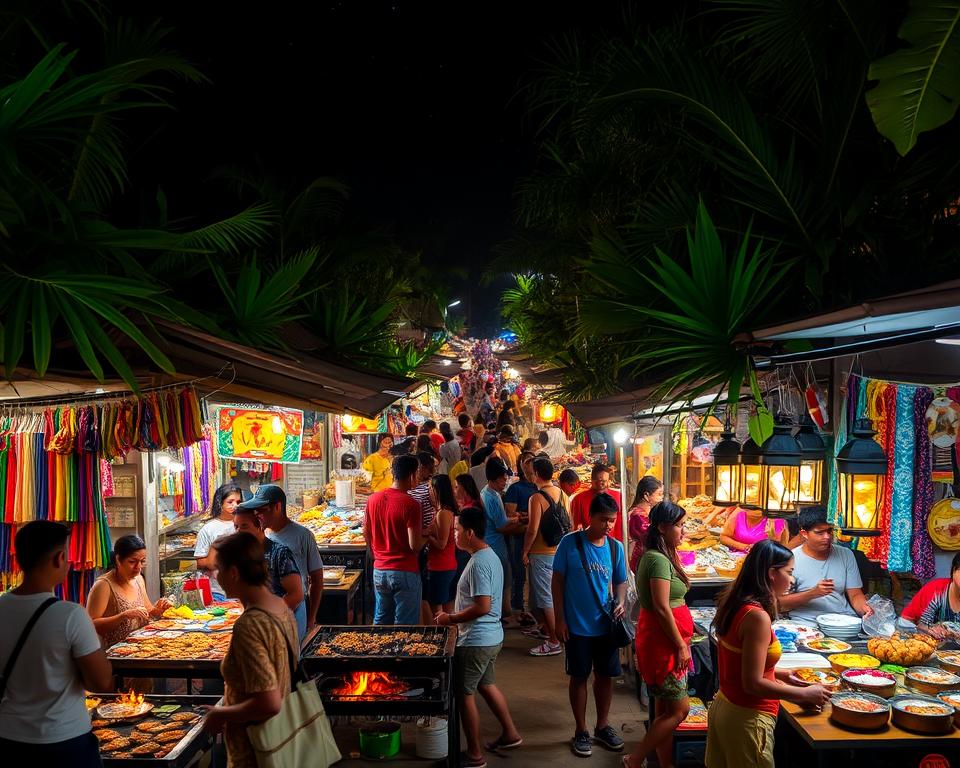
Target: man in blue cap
x,y
270,505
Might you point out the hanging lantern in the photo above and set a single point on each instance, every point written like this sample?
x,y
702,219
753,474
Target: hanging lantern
x,y
861,470
726,471
813,454
751,495
780,459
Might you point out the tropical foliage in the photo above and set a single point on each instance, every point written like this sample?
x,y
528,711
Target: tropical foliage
x,y
762,113
79,289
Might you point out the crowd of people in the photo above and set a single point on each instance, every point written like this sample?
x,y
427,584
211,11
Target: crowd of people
x,y
525,548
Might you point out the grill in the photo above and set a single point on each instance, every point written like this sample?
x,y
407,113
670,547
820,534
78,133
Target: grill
x,y
334,654
196,740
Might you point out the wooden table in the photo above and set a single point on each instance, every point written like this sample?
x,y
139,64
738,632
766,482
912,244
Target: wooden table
x,y
339,600
828,741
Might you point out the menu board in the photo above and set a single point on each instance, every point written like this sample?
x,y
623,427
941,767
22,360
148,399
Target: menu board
x,y
307,475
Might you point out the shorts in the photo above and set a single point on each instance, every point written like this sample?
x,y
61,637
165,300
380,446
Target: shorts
x,y
441,587
598,654
79,752
541,577
673,688
473,666
739,736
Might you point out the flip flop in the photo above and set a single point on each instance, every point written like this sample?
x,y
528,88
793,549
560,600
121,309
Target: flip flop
x,y
499,743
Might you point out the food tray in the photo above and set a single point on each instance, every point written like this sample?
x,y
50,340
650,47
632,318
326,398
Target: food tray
x,y
317,661
184,751
859,720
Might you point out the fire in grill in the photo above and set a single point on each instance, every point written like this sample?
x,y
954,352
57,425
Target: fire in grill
x,y
372,684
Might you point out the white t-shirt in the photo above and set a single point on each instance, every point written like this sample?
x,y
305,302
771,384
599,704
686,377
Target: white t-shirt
x,y
210,532
44,702
841,566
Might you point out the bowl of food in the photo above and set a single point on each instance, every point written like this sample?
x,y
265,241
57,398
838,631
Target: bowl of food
x,y
953,699
949,660
931,680
805,676
860,711
882,684
841,662
922,714
826,645
905,650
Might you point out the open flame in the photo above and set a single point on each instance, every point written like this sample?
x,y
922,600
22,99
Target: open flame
x,y
370,684
131,699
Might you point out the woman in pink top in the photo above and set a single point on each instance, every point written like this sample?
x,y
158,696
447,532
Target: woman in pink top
x,y
649,492
745,527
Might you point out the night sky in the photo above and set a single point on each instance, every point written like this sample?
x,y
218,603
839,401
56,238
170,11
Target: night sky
x,y
412,104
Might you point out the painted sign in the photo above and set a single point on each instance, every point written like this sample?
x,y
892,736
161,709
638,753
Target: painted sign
x,y
260,434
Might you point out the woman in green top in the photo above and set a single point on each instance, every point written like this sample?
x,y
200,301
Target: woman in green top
x,y
664,629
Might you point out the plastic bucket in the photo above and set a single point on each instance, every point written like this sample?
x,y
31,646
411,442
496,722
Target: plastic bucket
x,y
380,741
432,738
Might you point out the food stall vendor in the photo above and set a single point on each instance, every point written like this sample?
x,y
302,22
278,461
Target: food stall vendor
x,y
943,605
826,577
380,463
745,527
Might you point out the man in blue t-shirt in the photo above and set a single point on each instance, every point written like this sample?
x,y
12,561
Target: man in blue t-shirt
x,y
477,613
515,502
497,522
583,625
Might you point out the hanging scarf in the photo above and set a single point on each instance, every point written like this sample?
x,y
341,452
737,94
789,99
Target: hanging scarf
x,y
899,559
922,547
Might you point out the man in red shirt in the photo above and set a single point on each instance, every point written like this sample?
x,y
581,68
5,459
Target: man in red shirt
x,y
393,528
580,504
921,600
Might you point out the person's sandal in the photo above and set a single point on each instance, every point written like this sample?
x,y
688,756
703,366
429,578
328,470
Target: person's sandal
x,y
499,743
471,762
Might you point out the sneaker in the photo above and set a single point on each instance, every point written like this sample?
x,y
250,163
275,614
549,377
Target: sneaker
x,y
608,737
582,744
546,648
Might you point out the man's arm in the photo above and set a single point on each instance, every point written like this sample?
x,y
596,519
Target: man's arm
x,y
96,671
556,589
858,601
293,589
316,595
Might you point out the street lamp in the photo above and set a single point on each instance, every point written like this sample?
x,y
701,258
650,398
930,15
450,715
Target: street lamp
x,y
620,437
861,471
454,303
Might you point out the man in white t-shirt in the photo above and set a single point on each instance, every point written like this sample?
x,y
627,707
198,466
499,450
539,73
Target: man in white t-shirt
x,y
825,576
43,718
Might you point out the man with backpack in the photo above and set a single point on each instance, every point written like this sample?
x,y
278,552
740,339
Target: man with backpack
x,y
548,523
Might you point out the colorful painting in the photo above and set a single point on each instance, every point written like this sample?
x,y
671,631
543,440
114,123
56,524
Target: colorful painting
x,y
312,449
260,434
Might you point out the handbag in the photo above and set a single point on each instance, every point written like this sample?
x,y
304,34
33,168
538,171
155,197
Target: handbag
x,y
22,641
300,733
621,631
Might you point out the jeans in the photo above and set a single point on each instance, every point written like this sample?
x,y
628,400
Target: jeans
x,y
80,752
300,615
397,595
518,574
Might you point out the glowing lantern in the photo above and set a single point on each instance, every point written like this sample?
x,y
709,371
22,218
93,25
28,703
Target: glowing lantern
x,y
861,470
813,453
726,471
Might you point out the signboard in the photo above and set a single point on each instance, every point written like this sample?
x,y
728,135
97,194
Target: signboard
x,y
260,434
305,476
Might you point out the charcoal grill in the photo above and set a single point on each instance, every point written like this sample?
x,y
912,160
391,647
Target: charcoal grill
x,y
183,753
433,673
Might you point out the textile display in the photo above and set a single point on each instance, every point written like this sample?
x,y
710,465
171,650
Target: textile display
x,y
192,490
922,547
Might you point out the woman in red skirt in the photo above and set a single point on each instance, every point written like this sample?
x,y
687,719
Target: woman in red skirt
x,y
664,629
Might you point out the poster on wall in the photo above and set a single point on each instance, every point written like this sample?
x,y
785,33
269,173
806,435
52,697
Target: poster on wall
x,y
260,434
312,448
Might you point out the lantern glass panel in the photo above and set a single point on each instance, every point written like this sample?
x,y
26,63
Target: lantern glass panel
x,y
811,481
860,498
752,493
782,486
727,489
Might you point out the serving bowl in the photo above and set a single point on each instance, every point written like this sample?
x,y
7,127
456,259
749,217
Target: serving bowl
x,y
882,684
949,660
933,722
860,711
931,680
953,699
841,662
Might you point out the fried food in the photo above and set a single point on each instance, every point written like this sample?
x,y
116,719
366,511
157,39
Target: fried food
x,y
154,726
170,737
905,650
145,749
116,745
185,717
106,734
140,737
100,723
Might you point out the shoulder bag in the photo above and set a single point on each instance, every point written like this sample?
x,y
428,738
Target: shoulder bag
x,y
22,641
300,733
621,631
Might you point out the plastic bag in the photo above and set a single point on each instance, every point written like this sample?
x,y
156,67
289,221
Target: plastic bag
x,y
883,621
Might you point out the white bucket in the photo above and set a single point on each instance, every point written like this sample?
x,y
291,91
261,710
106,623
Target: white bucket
x,y
344,490
432,738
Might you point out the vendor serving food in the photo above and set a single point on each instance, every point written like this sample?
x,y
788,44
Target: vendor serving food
x,y
943,605
746,527
826,579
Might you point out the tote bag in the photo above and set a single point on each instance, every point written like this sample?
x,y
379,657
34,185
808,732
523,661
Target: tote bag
x,y
300,733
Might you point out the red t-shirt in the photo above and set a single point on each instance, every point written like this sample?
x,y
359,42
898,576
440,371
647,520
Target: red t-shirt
x,y
580,511
444,559
922,599
437,439
389,514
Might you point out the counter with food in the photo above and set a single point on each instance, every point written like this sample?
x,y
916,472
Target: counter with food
x,y
331,525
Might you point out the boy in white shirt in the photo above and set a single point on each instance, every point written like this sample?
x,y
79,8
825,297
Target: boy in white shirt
x,y
43,717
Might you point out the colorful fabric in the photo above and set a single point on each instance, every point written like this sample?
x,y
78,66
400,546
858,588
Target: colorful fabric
x,y
656,653
901,508
921,548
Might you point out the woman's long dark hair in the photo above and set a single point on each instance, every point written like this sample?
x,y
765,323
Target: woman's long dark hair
x,y
752,584
425,445
648,484
665,513
469,486
444,489
220,495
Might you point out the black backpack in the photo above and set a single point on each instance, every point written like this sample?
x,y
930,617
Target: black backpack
x,y
554,522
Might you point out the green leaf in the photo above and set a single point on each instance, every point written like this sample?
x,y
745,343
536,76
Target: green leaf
x,y
760,426
918,86
40,331
15,330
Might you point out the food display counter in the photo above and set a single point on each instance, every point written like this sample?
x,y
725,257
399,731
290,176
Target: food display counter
x,y
178,645
168,733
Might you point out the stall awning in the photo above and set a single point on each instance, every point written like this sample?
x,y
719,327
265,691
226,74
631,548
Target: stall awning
x,y
610,409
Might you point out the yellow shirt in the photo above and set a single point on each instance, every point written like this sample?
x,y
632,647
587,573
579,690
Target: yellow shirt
x,y
457,469
381,471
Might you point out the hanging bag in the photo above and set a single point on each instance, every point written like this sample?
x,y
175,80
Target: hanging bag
x,y
621,630
554,522
300,733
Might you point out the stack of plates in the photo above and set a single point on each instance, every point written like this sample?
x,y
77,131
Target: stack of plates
x,y
839,626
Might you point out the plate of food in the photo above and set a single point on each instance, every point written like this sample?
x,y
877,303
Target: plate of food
x,y
875,681
826,645
932,680
844,661
905,650
923,714
859,711
807,676
92,702
125,707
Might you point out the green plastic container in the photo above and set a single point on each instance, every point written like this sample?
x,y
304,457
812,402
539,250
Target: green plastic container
x,y
380,741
